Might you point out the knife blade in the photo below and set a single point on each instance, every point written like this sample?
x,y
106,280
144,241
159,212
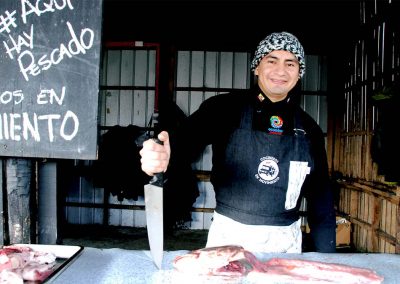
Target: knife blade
x,y
153,197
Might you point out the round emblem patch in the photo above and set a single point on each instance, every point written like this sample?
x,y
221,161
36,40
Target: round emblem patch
x,y
268,170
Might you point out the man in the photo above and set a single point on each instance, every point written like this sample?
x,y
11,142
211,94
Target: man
x,y
267,154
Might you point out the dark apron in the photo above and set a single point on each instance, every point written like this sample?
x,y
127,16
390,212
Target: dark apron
x,y
252,180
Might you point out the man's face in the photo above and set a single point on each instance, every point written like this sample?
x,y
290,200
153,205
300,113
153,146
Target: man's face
x,y
278,73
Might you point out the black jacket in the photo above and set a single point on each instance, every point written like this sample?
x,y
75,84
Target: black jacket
x,y
218,116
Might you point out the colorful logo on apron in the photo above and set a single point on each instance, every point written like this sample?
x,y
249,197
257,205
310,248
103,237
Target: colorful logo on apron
x,y
276,123
268,170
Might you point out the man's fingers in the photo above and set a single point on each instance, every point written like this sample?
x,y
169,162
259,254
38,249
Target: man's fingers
x,y
155,156
151,171
164,137
152,166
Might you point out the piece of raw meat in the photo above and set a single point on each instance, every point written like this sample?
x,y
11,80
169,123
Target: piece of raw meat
x,y
316,271
219,261
23,263
235,261
10,277
36,271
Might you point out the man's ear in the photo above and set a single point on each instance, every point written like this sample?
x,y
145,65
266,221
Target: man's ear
x,y
256,71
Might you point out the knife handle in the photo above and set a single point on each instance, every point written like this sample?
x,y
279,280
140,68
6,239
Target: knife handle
x,y
158,178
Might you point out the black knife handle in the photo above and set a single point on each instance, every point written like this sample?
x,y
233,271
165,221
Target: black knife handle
x,y
158,141
158,178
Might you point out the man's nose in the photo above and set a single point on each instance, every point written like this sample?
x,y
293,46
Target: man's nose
x,y
280,67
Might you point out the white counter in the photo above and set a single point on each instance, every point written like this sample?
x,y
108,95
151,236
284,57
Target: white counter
x,y
118,266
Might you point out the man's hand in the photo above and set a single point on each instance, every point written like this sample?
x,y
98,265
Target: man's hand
x,y
155,157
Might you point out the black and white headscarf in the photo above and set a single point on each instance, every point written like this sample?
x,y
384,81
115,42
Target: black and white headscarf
x,y
280,41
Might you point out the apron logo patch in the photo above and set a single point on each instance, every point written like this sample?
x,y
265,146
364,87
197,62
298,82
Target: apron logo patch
x,y
276,125
268,170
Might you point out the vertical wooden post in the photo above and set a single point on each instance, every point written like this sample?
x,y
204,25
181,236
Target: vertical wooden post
x,y
2,214
376,218
18,175
397,249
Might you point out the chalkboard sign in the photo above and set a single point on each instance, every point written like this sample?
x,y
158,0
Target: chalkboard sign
x,y
49,78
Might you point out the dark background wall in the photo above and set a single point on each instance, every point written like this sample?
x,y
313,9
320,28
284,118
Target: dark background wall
x,y
323,26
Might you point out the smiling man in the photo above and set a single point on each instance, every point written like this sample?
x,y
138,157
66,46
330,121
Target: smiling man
x,y
267,155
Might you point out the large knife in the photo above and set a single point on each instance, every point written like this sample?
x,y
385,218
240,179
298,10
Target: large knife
x,y
153,198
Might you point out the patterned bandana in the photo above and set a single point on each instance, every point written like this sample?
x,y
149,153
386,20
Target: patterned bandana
x,y
280,41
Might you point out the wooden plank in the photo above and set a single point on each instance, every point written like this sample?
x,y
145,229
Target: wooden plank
x,y
383,218
362,209
344,199
18,175
357,237
389,216
354,203
393,216
388,192
376,218
397,247
2,212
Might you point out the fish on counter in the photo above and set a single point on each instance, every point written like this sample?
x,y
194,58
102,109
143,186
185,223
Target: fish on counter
x,y
236,262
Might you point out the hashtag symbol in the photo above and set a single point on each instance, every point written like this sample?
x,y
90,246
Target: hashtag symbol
x,y
6,22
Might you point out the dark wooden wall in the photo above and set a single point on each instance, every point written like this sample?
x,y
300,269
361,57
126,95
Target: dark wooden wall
x,y
364,152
